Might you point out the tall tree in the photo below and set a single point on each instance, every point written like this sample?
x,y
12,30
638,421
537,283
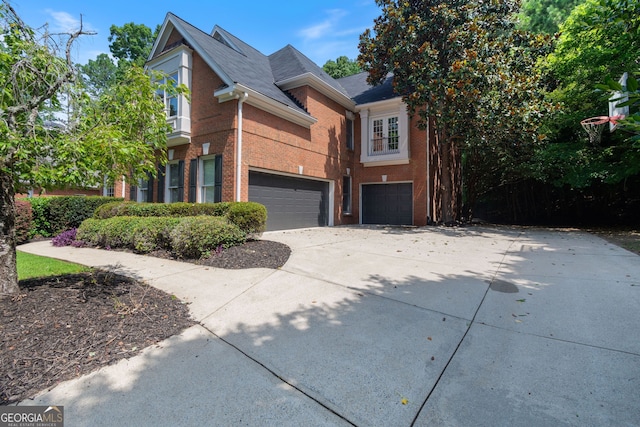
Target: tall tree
x,y
114,135
545,16
341,67
599,41
99,74
464,69
132,42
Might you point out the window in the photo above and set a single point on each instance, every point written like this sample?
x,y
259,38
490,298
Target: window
x,y
170,101
350,134
109,191
175,181
385,135
143,190
346,195
208,181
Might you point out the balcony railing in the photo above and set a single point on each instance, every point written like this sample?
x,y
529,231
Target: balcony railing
x,y
382,146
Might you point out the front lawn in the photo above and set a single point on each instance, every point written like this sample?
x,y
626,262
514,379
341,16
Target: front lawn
x,y
30,266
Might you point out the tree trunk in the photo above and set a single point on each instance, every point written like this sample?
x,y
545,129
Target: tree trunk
x,y
8,270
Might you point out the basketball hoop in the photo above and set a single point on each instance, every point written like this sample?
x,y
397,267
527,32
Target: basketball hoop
x,y
595,125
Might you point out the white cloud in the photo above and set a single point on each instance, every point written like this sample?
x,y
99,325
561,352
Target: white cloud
x,y
64,22
321,29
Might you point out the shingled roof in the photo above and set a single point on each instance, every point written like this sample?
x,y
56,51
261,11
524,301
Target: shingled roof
x,y
236,62
363,93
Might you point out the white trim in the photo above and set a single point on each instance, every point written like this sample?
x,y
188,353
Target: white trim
x,y
200,176
385,109
207,58
267,104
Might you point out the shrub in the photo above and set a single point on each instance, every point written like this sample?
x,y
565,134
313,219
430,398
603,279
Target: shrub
x,y
23,221
41,216
150,234
250,217
69,211
138,233
91,231
197,236
180,209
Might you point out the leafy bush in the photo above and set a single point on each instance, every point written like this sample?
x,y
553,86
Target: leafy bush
x,y
180,209
151,234
41,216
198,236
137,233
23,221
250,217
69,211
91,231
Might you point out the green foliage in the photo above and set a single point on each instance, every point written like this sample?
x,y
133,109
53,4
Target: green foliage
x,y
31,266
198,236
599,42
68,212
545,16
23,221
132,42
341,67
626,96
187,237
99,75
161,209
250,217
41,215
141,234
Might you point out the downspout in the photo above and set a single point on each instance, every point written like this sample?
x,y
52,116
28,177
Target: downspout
x,y
241,97
428,172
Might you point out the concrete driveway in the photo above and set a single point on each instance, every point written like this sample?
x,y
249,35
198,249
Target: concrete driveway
x,y
385,326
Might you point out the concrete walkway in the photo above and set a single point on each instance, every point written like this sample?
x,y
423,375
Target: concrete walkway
x,y
383,327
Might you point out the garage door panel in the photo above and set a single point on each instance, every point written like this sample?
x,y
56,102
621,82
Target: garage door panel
x,y
387,204
290,202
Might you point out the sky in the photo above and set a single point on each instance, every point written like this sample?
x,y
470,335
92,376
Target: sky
x,y
320,29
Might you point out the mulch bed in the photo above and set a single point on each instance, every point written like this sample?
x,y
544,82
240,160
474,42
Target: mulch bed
x,y
59,328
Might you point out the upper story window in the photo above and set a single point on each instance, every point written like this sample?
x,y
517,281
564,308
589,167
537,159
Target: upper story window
x,y
385,137
384,134
170,101
350,134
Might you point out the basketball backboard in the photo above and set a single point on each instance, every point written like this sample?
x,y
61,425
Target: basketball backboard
x,y
616,99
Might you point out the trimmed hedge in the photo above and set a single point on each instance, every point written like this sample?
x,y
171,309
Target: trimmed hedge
x,y
113,209
23,221
138,233
250,217
198,236
53,215
186,237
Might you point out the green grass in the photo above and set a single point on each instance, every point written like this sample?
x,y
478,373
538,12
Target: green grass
x,y
30,266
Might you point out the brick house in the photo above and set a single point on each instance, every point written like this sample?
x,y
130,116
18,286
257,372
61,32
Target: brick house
x,y
278,130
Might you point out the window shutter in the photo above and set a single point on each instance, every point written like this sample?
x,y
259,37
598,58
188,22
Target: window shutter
x,y
161,172
193,176
149,189
133,193
181,181
217,195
